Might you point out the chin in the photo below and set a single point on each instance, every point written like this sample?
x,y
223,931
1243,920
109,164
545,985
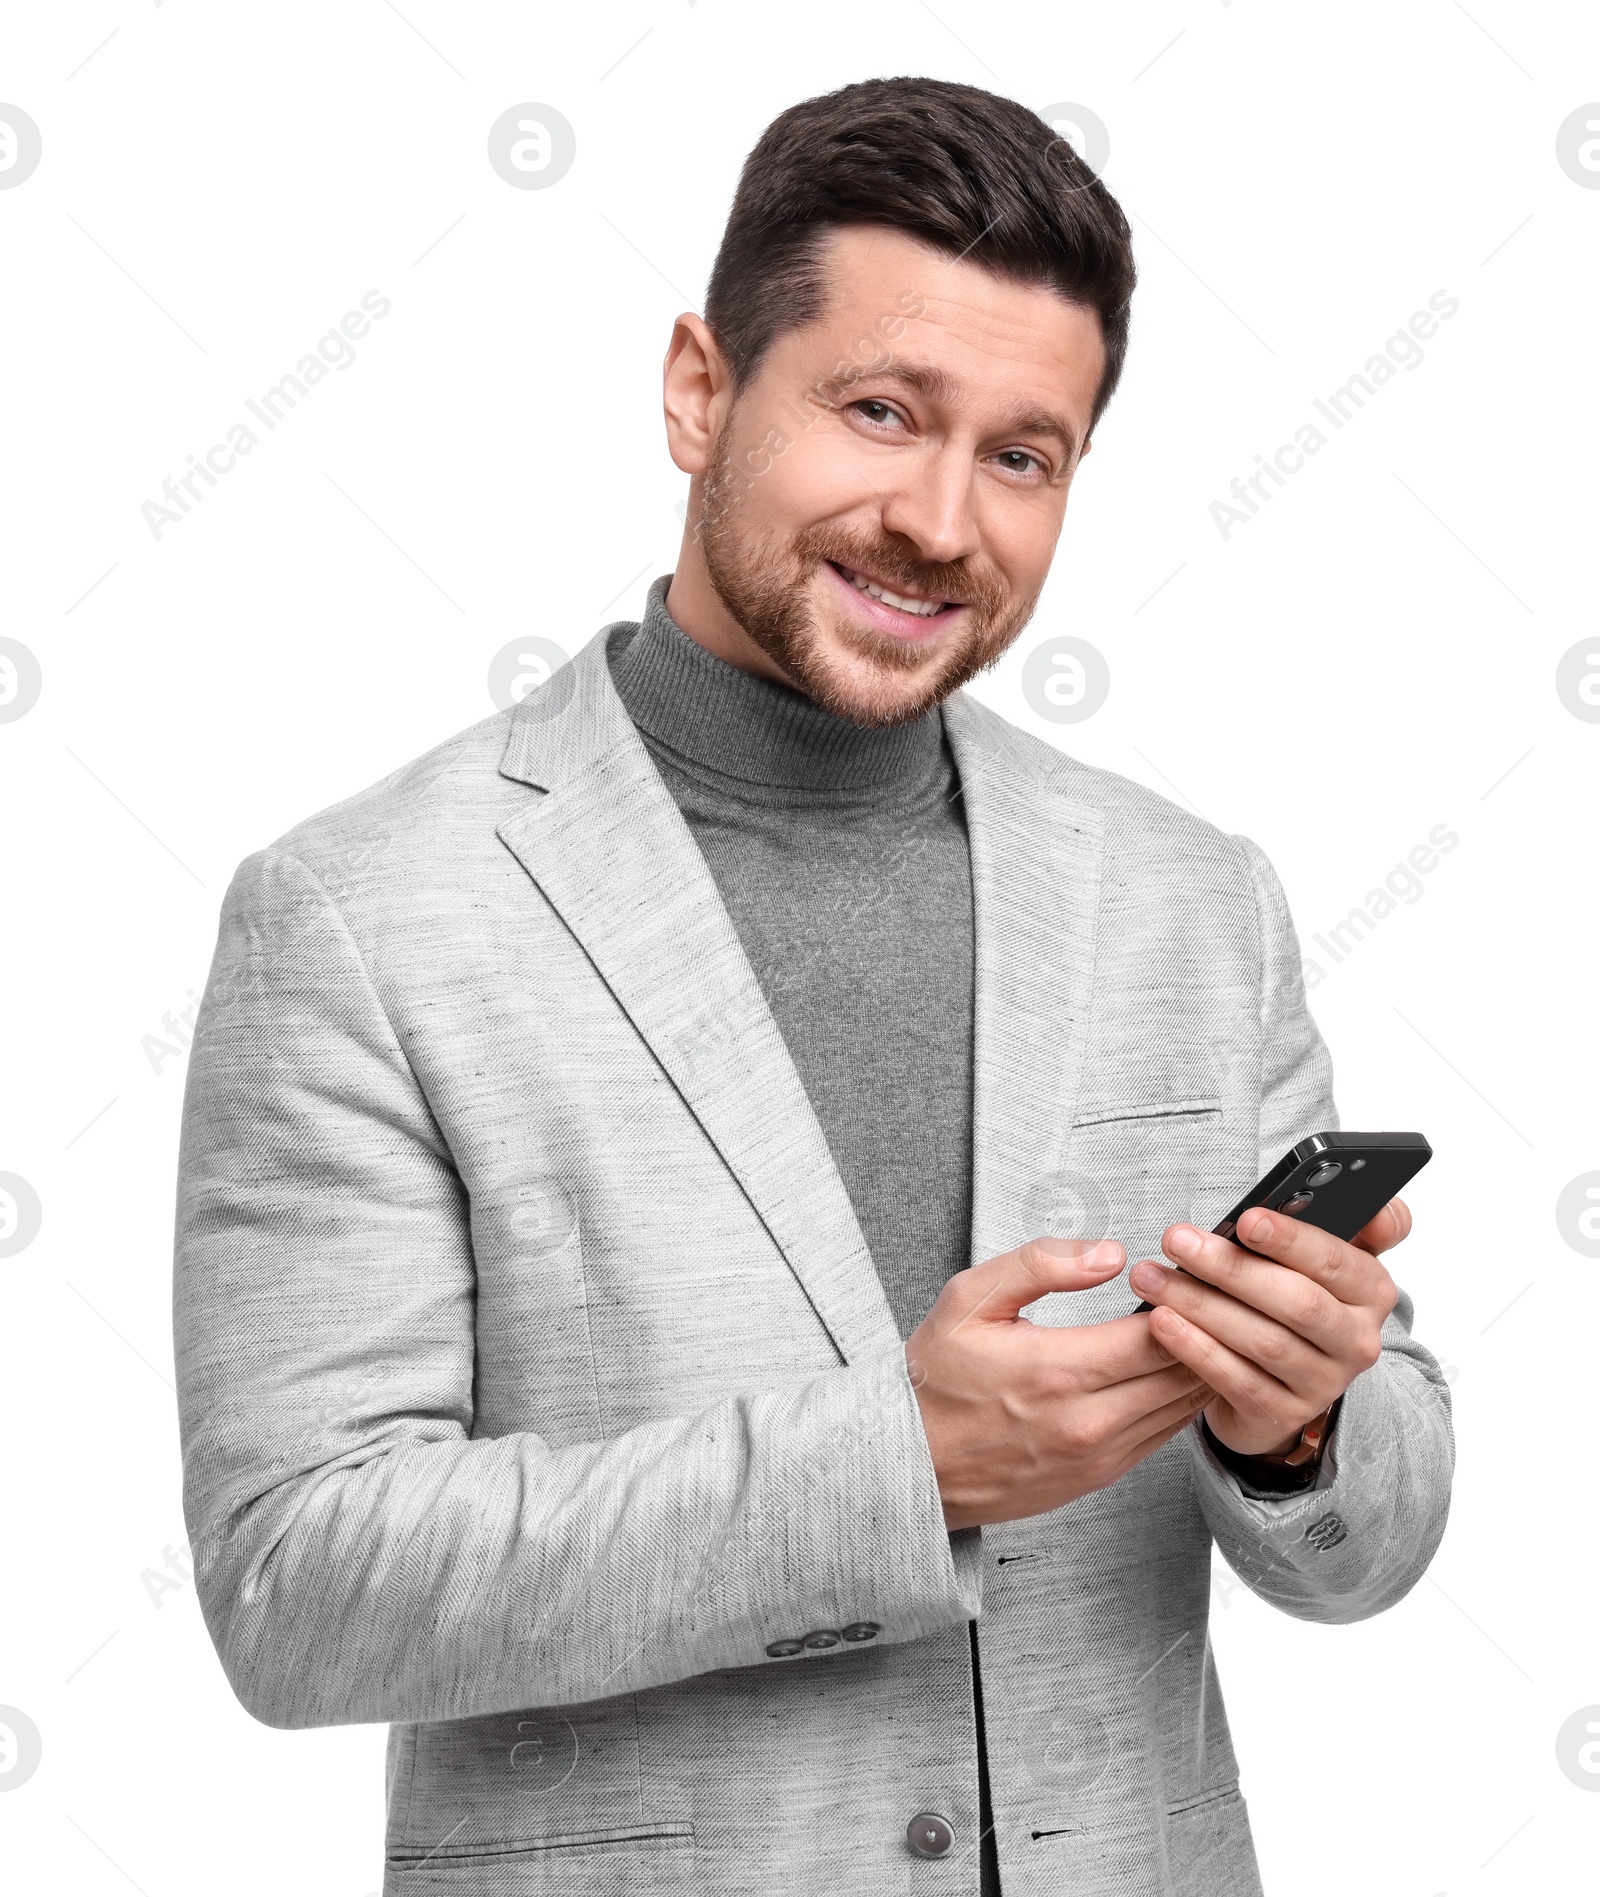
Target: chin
x,y
860,686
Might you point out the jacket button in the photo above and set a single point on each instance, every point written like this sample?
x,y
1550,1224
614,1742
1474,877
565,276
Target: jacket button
x,y
862,1630
823,1637
782,1649
929,1835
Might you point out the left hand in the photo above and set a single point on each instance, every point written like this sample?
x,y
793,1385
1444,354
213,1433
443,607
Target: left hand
x,y
1278,1331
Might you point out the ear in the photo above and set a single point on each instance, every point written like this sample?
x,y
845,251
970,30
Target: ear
x,y
696,393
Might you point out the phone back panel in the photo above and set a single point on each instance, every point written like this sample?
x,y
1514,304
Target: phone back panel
x,y
1337,1182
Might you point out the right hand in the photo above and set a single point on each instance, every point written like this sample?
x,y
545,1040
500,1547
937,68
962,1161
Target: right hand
x,y
1022,1418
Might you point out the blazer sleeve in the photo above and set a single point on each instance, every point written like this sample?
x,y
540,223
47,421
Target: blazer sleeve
x,y
359,1554
1361,1539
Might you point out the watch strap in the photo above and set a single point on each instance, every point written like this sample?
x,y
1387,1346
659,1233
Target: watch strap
x,y
1290,1471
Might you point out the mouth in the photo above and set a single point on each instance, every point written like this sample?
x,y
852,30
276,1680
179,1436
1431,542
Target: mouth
x,y
902,612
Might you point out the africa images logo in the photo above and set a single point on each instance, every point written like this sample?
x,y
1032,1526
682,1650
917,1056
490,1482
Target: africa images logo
x,y
1402,350
334,350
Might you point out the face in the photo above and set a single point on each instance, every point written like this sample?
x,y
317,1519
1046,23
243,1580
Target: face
x,y
876,512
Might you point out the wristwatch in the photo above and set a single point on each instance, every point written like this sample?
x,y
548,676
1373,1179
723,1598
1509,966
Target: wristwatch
x,y
1291,1469
1309,1447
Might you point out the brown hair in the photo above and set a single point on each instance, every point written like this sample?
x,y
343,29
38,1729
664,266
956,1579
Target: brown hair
x,y
965,171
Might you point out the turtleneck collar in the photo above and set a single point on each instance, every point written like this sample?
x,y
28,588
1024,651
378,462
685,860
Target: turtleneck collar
x,y
752,729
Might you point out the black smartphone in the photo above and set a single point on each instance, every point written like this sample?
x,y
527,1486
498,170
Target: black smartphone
x,y
1335,1181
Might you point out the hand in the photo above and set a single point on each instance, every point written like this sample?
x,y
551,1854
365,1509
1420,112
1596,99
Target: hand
x,y
1023,1418
1278,1331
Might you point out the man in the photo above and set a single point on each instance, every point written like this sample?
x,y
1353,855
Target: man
x,y
637,1316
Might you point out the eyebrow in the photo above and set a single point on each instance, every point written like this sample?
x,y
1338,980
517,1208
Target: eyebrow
x,y
925,379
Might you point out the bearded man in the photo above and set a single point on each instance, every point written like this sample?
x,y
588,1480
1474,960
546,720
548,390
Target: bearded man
x,y
658,1171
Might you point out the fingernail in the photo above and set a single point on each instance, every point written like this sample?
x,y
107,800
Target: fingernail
x,y
1147,1278
1183,1241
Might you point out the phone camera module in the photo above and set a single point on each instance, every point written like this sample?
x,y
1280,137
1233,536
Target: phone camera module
x,y
1325,1174
1295,1204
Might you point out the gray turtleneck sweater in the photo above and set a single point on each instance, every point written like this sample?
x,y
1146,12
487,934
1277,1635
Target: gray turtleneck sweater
x,y
840,852
841,855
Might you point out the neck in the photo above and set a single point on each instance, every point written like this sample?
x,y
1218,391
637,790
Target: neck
x,y
755,730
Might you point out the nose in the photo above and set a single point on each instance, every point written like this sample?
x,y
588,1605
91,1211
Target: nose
x,y
931,504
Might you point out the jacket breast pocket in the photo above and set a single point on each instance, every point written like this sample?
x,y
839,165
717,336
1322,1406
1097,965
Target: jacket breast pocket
x,y
1130,1170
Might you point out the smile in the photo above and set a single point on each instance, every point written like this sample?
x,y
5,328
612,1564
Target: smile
x,y
917,605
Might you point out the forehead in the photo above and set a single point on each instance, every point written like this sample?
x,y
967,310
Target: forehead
x,y
987,332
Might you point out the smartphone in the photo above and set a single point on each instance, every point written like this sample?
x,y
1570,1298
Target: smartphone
x,y
1335,1181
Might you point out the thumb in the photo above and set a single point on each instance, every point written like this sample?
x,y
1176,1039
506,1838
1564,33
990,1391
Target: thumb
x,y
1001,1286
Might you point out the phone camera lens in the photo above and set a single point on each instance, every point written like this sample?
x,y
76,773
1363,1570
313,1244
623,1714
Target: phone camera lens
x,y
1295,1204
1326,1173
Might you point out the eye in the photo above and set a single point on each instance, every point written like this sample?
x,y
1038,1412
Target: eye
x,y
1020,461
880,414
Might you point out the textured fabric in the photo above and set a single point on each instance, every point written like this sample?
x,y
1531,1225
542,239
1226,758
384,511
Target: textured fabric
x,y
534,1379
840,853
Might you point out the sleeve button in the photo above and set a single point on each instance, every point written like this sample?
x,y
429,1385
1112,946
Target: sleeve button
x,y
862,1630
782,1649
823,1637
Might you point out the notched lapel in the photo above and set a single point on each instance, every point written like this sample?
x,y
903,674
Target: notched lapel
x,y
613,855
1036,866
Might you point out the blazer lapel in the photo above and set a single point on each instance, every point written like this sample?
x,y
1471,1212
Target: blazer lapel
x,y
1036,867
612,853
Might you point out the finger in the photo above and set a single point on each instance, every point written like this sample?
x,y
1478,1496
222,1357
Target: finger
x,y
1189,1404
1354,1277
1250,1390
1282,1349
995,1291
1385,1229
1148,1445
1106,1354
1288,1297
1130,1405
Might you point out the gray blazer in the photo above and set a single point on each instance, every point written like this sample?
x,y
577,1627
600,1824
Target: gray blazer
x,y
539,1396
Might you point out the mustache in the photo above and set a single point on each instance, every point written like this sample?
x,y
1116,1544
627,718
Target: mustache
x,y
897,568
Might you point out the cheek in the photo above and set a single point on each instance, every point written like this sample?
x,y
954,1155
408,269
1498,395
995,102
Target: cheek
x,y
1020,532
803,475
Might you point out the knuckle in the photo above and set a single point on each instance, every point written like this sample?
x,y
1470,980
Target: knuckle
x,y
1273,1345
961,1289
1305,1304
1034,1262
1231,1264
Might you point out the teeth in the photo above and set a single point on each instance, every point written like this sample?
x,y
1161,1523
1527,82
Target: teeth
x,y
923,608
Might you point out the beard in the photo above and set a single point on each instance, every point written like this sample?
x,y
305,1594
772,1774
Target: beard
x,y
762,582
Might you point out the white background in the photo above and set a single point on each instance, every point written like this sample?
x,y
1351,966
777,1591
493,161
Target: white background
x,y
1374,654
